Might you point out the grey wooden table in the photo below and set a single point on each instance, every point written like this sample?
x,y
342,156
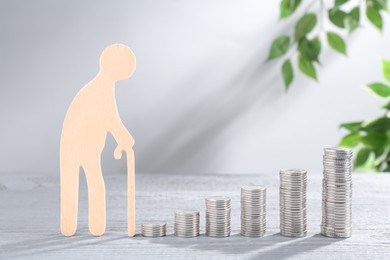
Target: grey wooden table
x,y
29,220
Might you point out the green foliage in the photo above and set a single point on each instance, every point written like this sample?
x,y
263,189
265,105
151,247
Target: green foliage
x,y
303,47
287,73
371,138
305,25
374,139
352,19
380,89
362,156
337,17
386,69
386,106
307,68
350,140
336,42
353,127
288,7
309,49
279,47
380,4
338,3
374,17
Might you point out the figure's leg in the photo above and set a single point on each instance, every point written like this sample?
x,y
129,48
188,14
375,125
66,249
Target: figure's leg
x,y
69,181
96,197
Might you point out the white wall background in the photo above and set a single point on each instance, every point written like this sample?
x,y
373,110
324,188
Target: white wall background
x,y
202,99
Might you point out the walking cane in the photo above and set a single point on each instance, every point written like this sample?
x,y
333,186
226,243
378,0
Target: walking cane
x,y
130,193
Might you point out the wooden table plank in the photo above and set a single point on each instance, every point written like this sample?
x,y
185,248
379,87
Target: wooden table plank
x,y
29,219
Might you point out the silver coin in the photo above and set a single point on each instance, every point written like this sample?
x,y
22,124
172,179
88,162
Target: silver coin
x,y
186,223
218,216
153,229
253,210
292,202
339,151
337,192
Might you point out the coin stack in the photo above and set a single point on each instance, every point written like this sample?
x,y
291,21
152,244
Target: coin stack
x,y
154,229
337,193
218,219
186,223
253,211
293,184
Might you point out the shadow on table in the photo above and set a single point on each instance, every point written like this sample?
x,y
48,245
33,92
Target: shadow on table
x,y
52,243
273,246
295,247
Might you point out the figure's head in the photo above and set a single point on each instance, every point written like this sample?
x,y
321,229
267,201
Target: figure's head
x,y
117,61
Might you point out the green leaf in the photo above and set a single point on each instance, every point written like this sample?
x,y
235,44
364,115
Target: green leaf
x,y
337,16
369,166
362,156
288,7
305,25
378,152
338,3
353,126
378,4
352,19
381,124
380,89
336,42
387,106
307,67
350,140
375,139
386,69
309,49
287,73
382,4
279,47
374,17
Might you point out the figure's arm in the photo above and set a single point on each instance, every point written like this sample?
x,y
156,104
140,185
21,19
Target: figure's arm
x,y
121,135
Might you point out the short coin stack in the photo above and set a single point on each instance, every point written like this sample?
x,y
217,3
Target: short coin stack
x,y
337,193
186,223
218,211
253,211
293,217
154,229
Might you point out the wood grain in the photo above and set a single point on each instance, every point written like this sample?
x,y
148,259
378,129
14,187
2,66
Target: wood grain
x,y
29,218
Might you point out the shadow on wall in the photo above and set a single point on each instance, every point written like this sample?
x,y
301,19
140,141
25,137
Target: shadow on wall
x,y
183,145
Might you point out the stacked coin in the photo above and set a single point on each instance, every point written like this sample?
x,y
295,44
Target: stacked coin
x,y
218,220
253,211
186,223
293,184
337,193
154,229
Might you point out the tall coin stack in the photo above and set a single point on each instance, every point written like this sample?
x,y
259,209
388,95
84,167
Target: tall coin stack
x,y
253,211
154,229
293,217
218,220
337,193
186,223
